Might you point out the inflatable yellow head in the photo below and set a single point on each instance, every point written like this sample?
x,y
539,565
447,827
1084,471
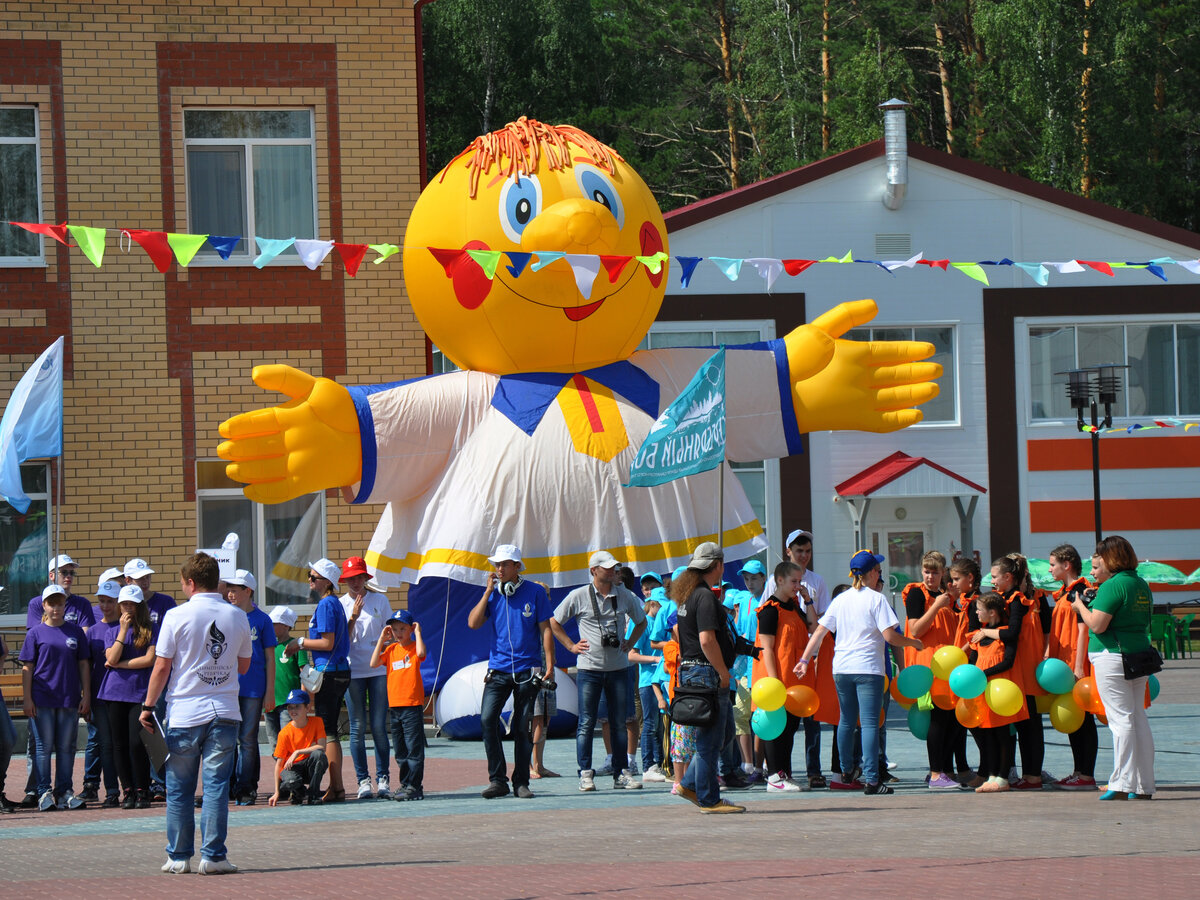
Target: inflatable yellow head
x,y
527,188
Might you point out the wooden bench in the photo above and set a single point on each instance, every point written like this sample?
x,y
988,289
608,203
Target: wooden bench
x,y
14,694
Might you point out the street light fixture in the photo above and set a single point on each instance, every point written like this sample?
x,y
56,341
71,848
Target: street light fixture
x,y
1087,389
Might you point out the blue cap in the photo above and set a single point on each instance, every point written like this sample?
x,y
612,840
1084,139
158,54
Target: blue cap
x,y
678,572
672,620
297,697
733,599
659,594
752,567
404,617
651,576
864,561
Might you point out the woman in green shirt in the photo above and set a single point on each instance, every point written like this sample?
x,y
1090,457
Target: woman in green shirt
x,y
1118,619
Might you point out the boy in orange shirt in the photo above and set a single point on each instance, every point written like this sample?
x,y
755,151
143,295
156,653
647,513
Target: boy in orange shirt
x,y
300,761
402,657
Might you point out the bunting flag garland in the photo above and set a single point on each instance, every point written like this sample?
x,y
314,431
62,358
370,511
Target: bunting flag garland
x,y
586,267
1138,426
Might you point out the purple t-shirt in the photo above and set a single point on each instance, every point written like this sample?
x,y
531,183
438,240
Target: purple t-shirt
x,y
78,612
158,604
100,636
55,654
127,685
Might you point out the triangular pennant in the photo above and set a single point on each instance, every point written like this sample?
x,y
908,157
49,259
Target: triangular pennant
x,y
653,263
1036,271
448,258
384,251
730,268
585,266
90,241
185,246
1070,267
313,253
1102,267
614,265
544,259
1156,271
517,262
488,261
972,270
269,248
352,256
795,266
687,265
155,244
224,245
58,232
934,263
767,268
1192,265
893,264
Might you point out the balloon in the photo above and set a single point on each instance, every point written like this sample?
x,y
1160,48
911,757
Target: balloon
x,y
968,681
1003,697
946,659
1055,676
768,693
915,681
969,712
1043,702
894,690
768,724
943,697
1087,695
1153,687
802,701
1065,714
918,722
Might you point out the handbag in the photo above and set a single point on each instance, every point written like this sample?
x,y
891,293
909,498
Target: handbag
x,y
311,678
693,705
1141,663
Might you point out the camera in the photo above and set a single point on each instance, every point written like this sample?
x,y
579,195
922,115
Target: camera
x,y
609,639
539,682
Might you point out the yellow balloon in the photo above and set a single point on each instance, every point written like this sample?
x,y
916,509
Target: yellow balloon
x,y
1065,714
1044,702
768,693
945,660
1003,697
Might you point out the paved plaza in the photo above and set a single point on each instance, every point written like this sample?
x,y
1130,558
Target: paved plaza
x,y
648,843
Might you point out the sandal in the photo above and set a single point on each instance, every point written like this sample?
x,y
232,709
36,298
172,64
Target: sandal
x,y
817,781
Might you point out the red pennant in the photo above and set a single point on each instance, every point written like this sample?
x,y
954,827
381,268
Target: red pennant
x,y
934,263
449,259
352,256
795,266
58,232
613,265
1102,267
156,246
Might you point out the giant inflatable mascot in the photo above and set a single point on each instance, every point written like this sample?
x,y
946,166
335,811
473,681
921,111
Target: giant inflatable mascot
x,y
531,441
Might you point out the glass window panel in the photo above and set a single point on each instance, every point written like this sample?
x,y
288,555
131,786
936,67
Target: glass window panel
x,y
220,516
1188,348
1051,349
210,475
942,407
732,338
24,549
294,537
1149,382
217,192
1099,344
33,479
18,199
243,124
858,334
755,486
659,339
283,192
891,334
18,122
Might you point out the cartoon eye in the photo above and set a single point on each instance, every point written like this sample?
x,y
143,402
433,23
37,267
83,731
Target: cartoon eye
x,y
520,202
596,186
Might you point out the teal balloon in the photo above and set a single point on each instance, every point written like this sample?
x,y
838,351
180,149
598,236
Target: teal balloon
x,y
1155,687
968,681
914,681
768,724
918,722
1055,676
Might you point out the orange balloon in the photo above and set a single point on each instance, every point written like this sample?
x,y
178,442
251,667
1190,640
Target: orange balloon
x,y
1101,718
1087,695
968,712
904,702
882,716
943,697
1146,703
801,700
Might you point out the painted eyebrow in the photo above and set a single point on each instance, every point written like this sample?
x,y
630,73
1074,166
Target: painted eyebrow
x,y
499,176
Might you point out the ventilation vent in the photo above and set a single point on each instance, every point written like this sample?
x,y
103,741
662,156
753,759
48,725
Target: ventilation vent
x,y
893,246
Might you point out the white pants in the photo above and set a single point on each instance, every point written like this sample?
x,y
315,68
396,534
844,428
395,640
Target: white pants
x,y
1133,742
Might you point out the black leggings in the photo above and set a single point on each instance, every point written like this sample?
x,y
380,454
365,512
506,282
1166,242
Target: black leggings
x,y
129,753
939,744
779,750
1033,743
993,744
1085,744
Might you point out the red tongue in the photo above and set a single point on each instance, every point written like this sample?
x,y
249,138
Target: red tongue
x,y
579,313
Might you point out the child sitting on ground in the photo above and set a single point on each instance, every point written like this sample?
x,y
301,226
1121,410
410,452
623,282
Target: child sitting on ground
x,y
300,761
406,699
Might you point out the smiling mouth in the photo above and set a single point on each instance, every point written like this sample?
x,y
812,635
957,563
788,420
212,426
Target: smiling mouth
x,y
574,313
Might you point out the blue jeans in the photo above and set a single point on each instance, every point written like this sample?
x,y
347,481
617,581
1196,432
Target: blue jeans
x,y
701,774
54,730
861,699
408,740
812,746
98,760
615,687
368,696
652,742
246,779
8,740
495,692
211,745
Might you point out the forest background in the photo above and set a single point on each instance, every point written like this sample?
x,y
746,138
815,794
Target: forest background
x,y
1096,97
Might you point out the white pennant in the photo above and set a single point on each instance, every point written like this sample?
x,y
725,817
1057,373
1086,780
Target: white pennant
x,y
1192,265
585,266
891,264
1066,268
767,268
313,253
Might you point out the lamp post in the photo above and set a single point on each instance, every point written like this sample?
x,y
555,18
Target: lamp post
x,y
1087,389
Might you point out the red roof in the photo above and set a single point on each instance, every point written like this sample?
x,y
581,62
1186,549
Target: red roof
x,y
888,469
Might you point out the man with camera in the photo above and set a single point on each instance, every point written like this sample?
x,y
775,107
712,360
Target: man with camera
x,y
519,611
604,608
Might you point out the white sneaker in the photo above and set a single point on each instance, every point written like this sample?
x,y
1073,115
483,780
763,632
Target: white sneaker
x,y
217,867
69,801
778,784
364,789
625,782
654,773
46,801
633,769
177,866
587,780
798,785
607,768
383,790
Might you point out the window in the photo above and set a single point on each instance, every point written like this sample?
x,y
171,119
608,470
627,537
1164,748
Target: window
x,y
942,409
20,180
277,541
25,545
1163,359
251,172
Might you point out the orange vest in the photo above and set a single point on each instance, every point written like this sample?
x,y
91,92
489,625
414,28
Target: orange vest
x,y
1029,647
992,654
670,652
939,633
962,626
791,637
1064,624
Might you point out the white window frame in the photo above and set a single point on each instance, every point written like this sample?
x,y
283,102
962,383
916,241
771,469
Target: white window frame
x,y
246,250
39,260
18,618
954,326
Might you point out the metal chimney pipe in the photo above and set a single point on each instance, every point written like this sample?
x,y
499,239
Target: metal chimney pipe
x,y
895,145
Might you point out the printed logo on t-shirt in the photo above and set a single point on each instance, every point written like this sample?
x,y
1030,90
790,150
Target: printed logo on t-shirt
x,y
405,663
71,615
216,645
153,618
72,643
253,634
528,610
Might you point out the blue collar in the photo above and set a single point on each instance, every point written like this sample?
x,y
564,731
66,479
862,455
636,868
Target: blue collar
x,y
525,396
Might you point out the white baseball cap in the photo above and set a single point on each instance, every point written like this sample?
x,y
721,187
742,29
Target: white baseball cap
x,y
505,553
53,589
110,574
327,569
244,579
131,593
136,568
57,562
283,615
603,559
109,588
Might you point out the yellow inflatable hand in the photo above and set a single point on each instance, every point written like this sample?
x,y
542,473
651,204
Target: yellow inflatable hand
x,y
308,444
858,385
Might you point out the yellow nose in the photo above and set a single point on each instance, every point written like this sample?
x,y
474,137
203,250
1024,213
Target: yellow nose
x,y
572,226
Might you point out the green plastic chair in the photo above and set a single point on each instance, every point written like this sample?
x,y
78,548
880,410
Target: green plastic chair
x,y
1185,636
1162,634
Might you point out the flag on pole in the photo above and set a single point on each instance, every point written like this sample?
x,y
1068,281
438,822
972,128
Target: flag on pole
x,y
689,436
32,426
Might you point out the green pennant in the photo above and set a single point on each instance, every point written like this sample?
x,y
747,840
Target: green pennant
x,y
90,241
185,246
972,270
653,263
384,251
488,261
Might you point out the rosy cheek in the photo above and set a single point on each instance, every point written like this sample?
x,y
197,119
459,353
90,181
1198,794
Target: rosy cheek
x,y
651,242
471,285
